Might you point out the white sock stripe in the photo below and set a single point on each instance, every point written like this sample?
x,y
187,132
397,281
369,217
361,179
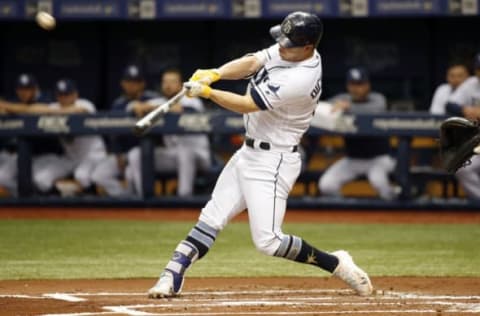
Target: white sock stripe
x,y
295,248
195,250
175,267
282,250
187,250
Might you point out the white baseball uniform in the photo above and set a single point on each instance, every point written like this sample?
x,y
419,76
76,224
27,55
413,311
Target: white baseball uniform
x,y
261,179
184,153
440,99
82,153
468,94
8,171
260,175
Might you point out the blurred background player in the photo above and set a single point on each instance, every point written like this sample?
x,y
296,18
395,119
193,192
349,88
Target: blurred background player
x,y
363,155
183,153
82,153
27,92
457,73
465,101
110,172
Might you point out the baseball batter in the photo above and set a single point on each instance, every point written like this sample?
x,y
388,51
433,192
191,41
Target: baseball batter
x,y
465,101
278,106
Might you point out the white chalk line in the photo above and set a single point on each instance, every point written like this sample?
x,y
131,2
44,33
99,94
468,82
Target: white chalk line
x,y
383,294
83,314
22,296
220,293
132,310
279,302
368,312
64,297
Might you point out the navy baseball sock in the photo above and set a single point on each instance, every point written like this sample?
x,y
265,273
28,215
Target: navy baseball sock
x,y
297,249
194,247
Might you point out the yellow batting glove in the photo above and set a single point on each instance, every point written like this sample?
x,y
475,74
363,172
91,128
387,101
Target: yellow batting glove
x,y
197,89
206,76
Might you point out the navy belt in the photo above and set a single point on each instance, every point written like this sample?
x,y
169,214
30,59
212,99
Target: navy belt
x,y
250,142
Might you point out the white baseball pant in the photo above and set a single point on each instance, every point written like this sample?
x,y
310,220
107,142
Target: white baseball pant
x,y
83,171
107,174
259,180
48,168
8,171
348,169
183,159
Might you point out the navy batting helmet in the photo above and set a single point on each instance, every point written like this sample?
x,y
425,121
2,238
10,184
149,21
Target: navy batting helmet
x,y
298,29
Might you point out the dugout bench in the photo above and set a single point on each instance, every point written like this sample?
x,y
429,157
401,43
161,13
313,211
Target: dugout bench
x,y
403,126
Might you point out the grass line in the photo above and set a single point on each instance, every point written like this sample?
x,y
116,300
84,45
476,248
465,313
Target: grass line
x,y
63,249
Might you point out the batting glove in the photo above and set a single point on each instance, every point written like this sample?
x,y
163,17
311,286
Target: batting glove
x,y
197,89
205,76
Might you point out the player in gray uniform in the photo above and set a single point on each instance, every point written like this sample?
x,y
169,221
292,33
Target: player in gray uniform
x,y
183,153
82,153
364,155
277,107
456,74
465,101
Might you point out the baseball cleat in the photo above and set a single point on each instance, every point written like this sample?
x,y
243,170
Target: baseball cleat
x,y
170,284
351,274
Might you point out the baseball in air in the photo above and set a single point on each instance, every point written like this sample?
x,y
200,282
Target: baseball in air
x,y
45,20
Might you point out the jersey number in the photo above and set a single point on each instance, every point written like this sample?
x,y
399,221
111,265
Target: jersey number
x,y
317,89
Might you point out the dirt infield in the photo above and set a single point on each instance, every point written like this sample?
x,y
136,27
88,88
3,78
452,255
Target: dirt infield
x,y
242,296
320,216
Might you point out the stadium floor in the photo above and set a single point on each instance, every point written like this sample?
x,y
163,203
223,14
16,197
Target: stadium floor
x,y
243,296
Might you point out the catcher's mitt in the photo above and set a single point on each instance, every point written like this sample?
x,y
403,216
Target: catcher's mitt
x,y
458,138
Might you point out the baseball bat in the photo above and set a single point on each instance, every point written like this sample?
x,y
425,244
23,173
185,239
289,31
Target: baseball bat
x,y
147,122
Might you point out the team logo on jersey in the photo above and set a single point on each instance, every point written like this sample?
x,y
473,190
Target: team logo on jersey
x,y
274,88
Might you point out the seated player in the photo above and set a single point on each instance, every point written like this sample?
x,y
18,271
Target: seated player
x,y
363,155
82,153
183,153
456,74
110,172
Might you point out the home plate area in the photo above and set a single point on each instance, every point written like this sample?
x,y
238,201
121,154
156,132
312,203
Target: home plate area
x,y
249,297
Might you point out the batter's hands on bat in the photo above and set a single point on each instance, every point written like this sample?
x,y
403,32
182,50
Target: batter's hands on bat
x,y
205,76
197,89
